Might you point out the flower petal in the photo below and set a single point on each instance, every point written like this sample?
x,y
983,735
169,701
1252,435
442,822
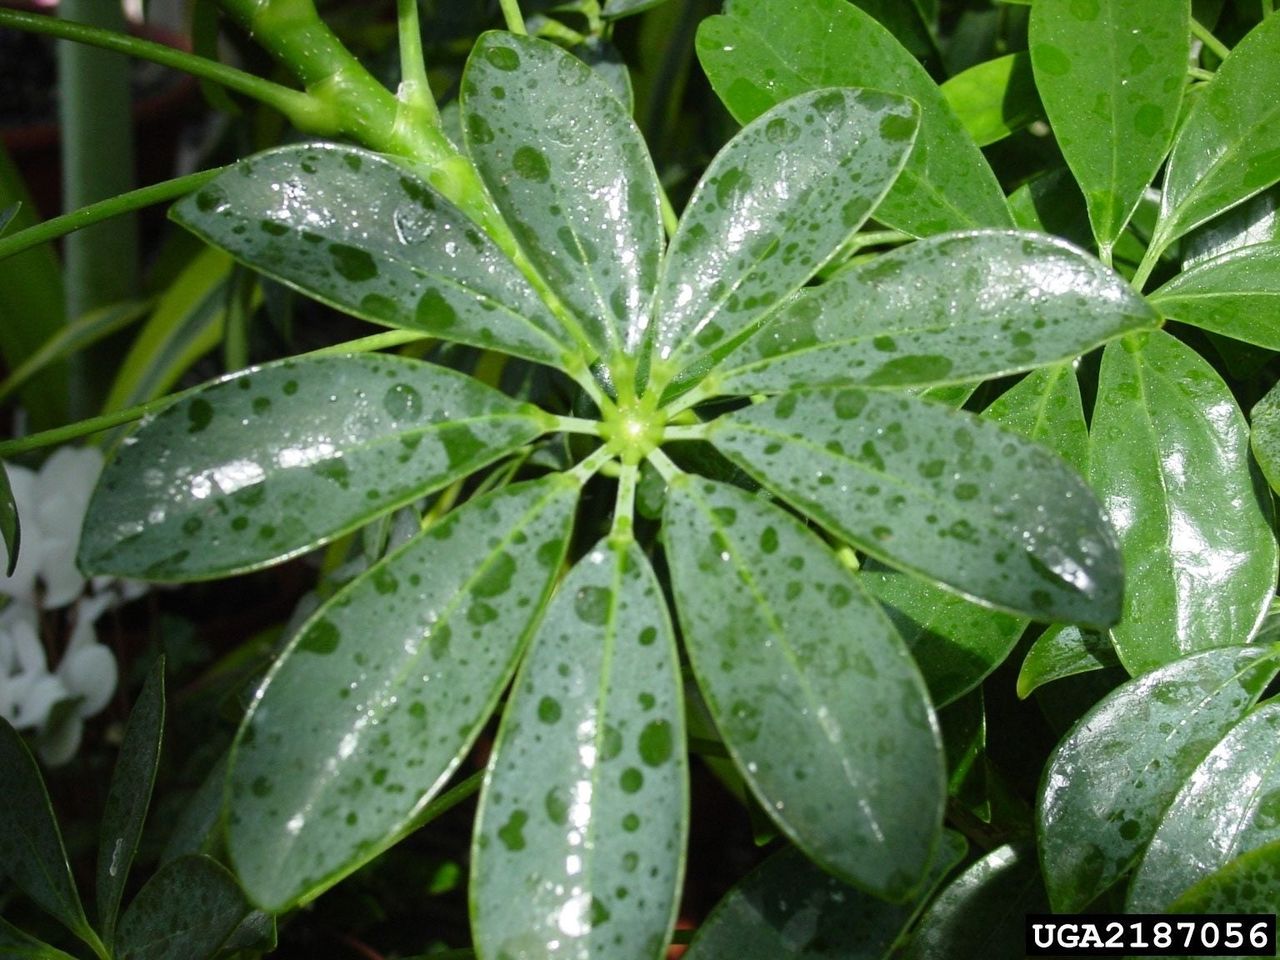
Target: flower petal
x,y
89,672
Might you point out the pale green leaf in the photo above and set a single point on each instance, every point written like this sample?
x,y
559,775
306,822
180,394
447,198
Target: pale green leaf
x,y
996,98
186,911
1236,295
1264,435
1064,651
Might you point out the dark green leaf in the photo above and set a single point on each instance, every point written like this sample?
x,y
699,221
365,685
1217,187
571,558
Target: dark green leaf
x,y
198,823
1236,295
1225,151
10,523
270,462
788,909
1264,436
1229,805
353,229
582,823
812,689
939,492
184,912
1045,406
7,214
948,309
1052,203
907,22
774,206
383,690
996,98
1064,652
569,170
1253,221
129,797
763,51
16,945
1111,74
1170,460
1248,884
1110,780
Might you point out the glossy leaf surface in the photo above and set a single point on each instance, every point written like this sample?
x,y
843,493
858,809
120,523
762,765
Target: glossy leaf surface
x,y
1249,884
129,796
184,912
571,174
948,309
814,692
1264,436
995,98
382,691
788,909
939,492
580,836
1254,221
1064,652
360,233
1111,74
763,51
1109,781
1236,295
1229,805
10,523
1225,151
1170,461
270,462
772,208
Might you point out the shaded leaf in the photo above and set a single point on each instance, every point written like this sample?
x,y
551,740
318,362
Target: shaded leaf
x,y
763,51
7,214
186,911
996,98
938,492
1236,295
1264,435
617,9
1170,462
582,822
1052,203
19,946
814,693
1064,651
358,232
10,523
1248,884
948,309
335,441
1108,783
381,693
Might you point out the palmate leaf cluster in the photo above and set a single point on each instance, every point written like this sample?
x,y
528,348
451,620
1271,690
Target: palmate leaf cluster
x,y
734,468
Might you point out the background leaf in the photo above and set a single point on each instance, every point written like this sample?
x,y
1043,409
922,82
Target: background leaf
x,y
380,694
1264,436
1170,462
582,823
18,945
814,693
1248,884
763,51
995,98
184,912
1236,295
10,523
335,442
1064,651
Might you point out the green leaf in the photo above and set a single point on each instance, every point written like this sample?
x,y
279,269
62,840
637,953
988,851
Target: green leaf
x,y
569,170
982,912
7,214
938,492
1236,295
774,206
19,946
1110,780
334,442
1052,203
812,689
1225,151
31,852
10,523
129,797
763,51
582,823
788,909
185,911
949,309
197,826
1254,221
1229,805
1170,460
995,99
1264,436
1248,884
617,9
1111,74
381,693
909,24
1064,651
1045,406
360,233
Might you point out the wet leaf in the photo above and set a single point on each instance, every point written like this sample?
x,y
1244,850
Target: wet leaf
x,y
938,492
1236,295
1228,806
273,461
775,204
1064,651
129,797
1112,75
763,51
788,909
996,98
10,523
949,309
582,823
1170,461
1253,221
1110,780
1264,436
1225,151
1248,884
381,693
184,912
814,692
569,170
360,233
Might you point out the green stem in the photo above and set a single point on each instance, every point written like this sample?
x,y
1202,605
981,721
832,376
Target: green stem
x,y
415,89
624,505
697,431
589,467
577,425
103,210
1149,261
670,219
515,20
662,463
1202,33
1200,73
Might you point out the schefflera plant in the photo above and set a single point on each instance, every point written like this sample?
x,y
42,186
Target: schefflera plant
x,y
578,845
